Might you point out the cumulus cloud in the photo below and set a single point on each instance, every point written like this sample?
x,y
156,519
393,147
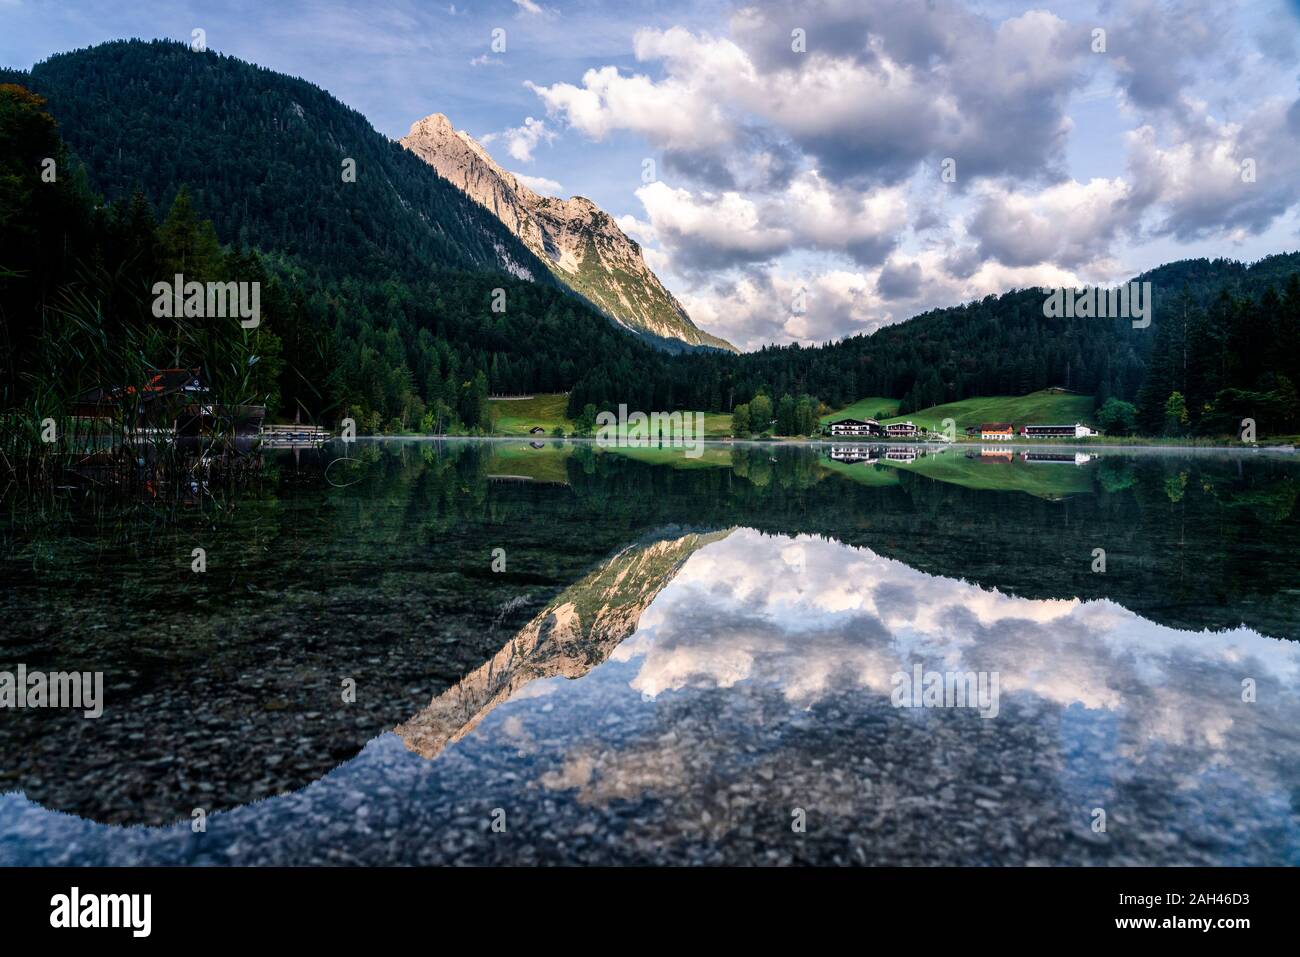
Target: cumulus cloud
x,y
1157,47
670,114
827,161
1215,176
899,280
770,305
865,102
756,306
540,184
520,141
1072,224
706,231
711,231
864,224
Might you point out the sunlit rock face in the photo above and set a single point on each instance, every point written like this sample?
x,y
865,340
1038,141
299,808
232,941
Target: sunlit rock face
x,y
580,242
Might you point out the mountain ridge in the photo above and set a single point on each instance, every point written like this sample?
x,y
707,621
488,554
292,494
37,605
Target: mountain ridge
x,y
579,242
121,122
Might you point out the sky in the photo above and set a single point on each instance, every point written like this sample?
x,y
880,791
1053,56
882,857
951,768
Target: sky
x,y
803,171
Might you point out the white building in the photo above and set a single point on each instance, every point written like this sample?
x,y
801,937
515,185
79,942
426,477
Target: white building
x,y
1076,431
855,427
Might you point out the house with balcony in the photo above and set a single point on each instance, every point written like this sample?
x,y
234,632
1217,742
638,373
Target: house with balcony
x,y
997,431
861,428
1076,431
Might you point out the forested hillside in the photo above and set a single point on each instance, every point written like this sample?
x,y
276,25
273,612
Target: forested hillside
x,y
389,280
1218,324
262,155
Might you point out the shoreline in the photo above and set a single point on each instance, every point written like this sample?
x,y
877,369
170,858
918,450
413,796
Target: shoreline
x,y
1019,445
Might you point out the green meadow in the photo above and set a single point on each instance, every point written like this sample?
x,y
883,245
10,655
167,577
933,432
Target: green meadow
x,y
1041,408
549,410
518,416
872,407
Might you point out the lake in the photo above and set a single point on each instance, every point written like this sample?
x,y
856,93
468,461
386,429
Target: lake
x,y
497,652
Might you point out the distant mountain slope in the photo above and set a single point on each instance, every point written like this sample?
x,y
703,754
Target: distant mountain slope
x,y
580,242
263,155
995,346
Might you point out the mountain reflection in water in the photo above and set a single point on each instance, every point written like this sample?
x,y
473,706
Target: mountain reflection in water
x,y
685,701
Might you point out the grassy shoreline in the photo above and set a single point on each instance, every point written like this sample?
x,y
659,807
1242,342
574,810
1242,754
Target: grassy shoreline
x,y
1284,445
515,416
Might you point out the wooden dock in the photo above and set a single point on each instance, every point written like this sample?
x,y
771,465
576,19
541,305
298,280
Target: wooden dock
x,y
296,434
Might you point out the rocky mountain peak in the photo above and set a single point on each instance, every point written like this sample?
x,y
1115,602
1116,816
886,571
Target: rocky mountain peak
x,y
578,240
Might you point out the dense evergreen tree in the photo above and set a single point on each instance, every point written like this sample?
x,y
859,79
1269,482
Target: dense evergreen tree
x,y
76,292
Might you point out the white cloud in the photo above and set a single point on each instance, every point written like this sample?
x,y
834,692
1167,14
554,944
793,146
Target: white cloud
x,y
756,306
872,112
540,184
1207,176
826,163
1071,223
707,230
726,227
669,114
638,229
762,306
522,140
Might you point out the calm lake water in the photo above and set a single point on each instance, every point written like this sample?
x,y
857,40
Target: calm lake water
x,y
683,660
